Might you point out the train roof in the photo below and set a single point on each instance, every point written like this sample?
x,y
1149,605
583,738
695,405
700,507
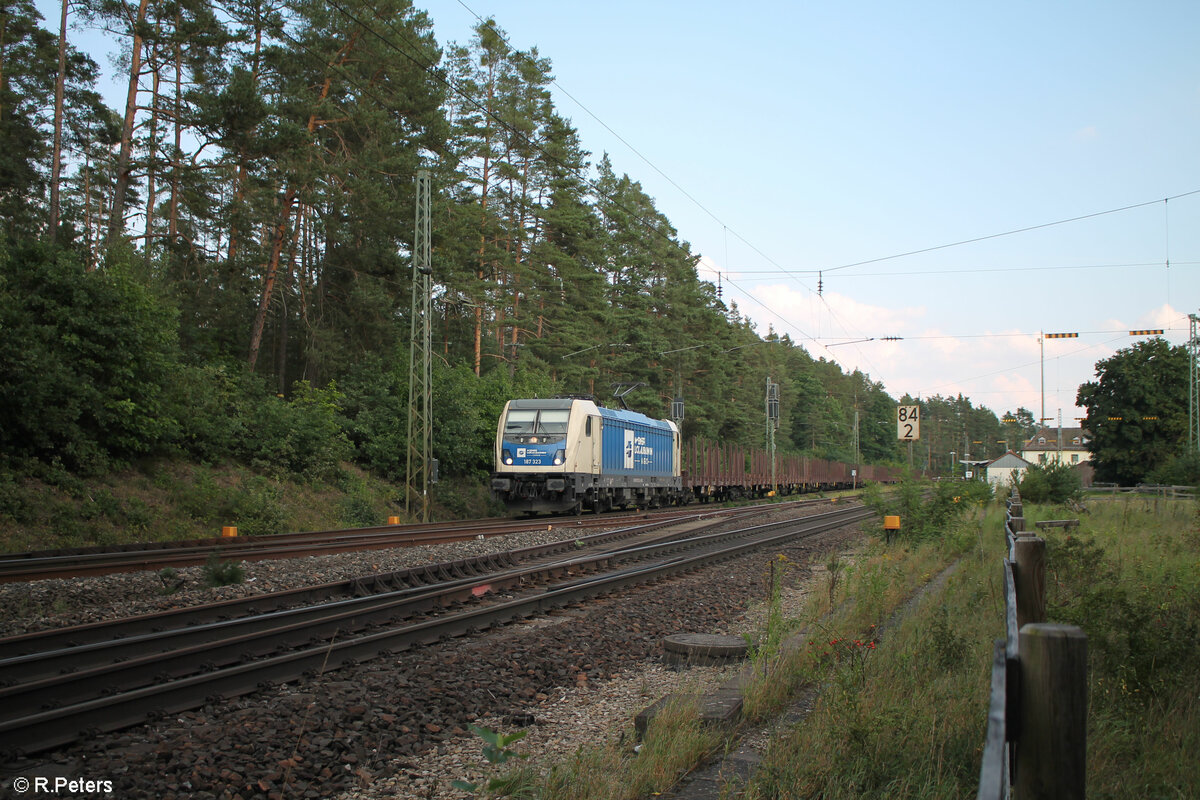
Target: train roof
x,y
550,402
608,413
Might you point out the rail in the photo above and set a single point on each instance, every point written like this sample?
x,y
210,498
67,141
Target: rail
x,y
1037,717
56,709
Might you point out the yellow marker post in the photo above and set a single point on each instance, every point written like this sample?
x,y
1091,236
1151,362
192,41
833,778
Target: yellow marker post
x,y
229,531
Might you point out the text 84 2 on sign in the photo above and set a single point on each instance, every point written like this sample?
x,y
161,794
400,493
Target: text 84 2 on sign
x,y
908,423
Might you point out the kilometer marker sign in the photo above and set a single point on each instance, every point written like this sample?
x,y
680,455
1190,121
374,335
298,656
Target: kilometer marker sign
x,y
908,423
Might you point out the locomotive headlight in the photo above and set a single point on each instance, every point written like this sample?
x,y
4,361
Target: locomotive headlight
x,y
560,457
506,457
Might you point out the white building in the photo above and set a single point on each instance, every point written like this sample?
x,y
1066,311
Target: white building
x,y
1058,446
1006,470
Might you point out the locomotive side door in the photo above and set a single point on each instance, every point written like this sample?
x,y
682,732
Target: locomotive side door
x,y
592,434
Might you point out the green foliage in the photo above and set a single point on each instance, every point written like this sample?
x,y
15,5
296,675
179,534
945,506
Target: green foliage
x,y
211,403
254,504
302,232
375,410
947,646
1050,483
927,510
1178,470
497,752
358,506
301,436
84,361
216,572
170,580
1137,410
1143,626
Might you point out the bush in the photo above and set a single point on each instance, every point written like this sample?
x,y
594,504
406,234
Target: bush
x,y
84,361
210,403
1050,483
926,510
303,436
375,408
1182,470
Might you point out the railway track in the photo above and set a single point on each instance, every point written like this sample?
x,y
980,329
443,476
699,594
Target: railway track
x,y
89,561
115,683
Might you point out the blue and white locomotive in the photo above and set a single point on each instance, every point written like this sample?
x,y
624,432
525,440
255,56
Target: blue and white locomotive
x,y
569,454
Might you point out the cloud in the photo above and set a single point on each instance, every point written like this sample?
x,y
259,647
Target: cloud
x,y
1086,133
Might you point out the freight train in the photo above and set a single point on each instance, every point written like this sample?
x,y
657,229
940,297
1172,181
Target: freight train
x,y
570,454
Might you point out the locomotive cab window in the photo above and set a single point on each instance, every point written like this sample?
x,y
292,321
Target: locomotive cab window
x,y
528,425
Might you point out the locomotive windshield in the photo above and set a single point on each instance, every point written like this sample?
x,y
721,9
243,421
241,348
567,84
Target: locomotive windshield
x,y
532,425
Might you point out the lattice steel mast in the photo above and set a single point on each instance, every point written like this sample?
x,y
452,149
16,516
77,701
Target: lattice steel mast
x,y
420,364
772,408
1193,346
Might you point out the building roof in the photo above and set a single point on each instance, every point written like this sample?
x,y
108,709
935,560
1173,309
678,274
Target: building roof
x,y
1069,437
1009,460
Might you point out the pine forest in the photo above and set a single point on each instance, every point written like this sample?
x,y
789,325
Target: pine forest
x,y
219,270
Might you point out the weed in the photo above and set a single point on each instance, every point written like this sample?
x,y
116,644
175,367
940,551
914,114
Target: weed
x,y
170,579
221,573
947,645
766,643
497,752
834,567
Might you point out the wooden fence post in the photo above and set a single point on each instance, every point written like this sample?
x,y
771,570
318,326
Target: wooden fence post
x,y
1030,558
1052,747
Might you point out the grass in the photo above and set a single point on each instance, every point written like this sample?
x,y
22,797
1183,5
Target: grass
x,y
167,500
1130,577
616,769
903,682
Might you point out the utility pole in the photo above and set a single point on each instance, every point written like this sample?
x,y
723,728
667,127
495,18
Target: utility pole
x,y
420,364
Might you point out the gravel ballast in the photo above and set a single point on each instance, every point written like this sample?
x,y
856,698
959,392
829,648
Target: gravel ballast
x,y
396,726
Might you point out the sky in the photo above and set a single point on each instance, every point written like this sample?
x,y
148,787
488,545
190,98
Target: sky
x,y
790,142
963,176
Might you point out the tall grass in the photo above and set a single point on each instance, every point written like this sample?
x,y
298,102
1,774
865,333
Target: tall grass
x,y
898,710
1130,577
906,719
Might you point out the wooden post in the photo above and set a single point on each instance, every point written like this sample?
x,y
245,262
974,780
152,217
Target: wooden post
x,y
1030,557
1017,524
1052,745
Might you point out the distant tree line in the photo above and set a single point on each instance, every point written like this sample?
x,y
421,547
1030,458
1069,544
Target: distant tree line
x,y
220,269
